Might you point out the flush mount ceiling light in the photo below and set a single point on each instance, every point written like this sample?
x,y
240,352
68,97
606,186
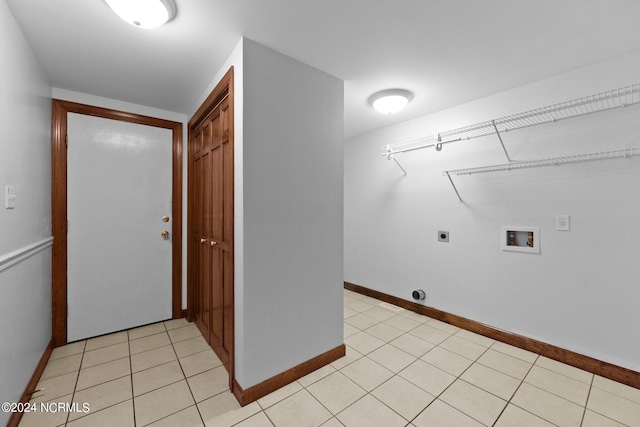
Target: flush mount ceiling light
x,y
390,101
144,13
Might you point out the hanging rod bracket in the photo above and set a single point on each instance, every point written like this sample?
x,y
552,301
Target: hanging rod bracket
x,y
388,153
390,156
438,142
493,122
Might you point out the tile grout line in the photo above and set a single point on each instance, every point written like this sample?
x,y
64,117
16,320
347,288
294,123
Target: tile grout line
x,y
133,400
564,375
607,416
348,406
420,358
333,418
569,378
394,373
195,403
512,394
452,382
106,407
177,359
131,373
166,331
396,412
522,381
584,413
516,391
459,376
518,388
267,415
101,364
619,396
73,395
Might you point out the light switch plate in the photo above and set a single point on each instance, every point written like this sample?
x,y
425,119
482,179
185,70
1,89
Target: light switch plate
x,y
10,197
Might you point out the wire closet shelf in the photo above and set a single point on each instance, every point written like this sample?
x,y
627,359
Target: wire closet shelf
x,y
555,161
603,101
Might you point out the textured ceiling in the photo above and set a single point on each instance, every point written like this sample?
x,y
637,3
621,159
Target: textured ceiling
x,y
446,52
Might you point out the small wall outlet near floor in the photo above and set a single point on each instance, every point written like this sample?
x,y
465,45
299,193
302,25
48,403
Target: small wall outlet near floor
x,y
563,223
443,236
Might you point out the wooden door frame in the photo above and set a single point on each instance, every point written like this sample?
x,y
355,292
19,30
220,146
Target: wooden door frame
x,y
224,89
60,110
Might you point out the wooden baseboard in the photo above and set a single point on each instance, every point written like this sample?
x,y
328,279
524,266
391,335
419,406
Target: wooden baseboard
x,y
15,418
589,364
274,383
183,314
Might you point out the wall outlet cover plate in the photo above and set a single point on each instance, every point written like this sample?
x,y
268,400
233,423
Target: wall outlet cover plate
x,y
563,222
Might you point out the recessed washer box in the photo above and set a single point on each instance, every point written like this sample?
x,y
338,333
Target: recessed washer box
x,y
520,239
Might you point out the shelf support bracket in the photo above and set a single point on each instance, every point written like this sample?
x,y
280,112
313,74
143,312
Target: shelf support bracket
x,y
400,166
493,122
390,156
454,186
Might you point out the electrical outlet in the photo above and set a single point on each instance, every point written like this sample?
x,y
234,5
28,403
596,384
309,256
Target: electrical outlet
x,y
563,223
443,236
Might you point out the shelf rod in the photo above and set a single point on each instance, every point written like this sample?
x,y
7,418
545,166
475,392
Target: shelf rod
x,y
493,122
419,147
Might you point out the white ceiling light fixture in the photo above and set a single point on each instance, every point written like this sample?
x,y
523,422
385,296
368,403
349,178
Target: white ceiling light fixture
x,y
144,13
390,101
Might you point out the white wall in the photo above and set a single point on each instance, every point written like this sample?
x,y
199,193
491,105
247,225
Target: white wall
x,y
25,163
288,211
293,213
581,292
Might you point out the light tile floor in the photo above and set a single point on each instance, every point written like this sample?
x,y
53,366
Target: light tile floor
x,y
401,369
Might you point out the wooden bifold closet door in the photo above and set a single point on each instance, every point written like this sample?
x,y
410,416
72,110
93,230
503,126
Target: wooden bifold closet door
x,y
212,154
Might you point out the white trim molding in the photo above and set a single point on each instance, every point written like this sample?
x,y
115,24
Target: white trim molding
x,y
21,254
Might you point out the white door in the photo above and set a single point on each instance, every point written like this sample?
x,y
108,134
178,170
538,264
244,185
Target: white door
x,y
118,190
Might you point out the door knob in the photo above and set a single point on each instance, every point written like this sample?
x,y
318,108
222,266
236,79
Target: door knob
x,y
165,234
213,243
202,240
165,219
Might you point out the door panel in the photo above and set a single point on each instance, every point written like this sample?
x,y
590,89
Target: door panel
x,y
228,302
217,324
228,214
202,310
205,266
119,187
217,296
213,216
